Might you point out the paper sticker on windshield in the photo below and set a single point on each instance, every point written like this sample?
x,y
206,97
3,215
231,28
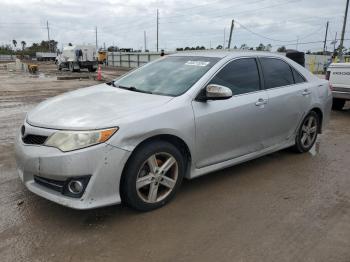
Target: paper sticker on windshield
x,y
197,63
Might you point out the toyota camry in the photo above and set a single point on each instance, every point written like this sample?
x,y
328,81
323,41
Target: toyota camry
x,y
134,139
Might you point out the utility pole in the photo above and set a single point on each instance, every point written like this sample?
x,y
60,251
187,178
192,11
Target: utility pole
x,y
145,40
334,42
325,38
296,46
48,34
157,27
223,46
230,38
343,33
96,38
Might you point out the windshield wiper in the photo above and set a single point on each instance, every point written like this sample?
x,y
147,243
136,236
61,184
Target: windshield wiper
x,y
131,88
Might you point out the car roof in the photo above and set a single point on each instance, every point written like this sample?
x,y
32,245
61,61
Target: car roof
x,y
226,53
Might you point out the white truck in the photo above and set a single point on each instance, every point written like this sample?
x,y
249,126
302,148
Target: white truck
x,y
76,57
338,75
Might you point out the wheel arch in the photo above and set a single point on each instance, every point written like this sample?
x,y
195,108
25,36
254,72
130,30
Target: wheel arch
x,y
319,113
174,140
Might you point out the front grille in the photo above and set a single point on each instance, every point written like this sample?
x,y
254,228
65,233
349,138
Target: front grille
x,y
50,183
34,139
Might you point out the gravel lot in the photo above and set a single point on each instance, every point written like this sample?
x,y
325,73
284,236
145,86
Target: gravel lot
x,y
281,207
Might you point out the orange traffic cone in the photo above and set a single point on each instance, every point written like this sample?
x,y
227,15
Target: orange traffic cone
x,y
99,73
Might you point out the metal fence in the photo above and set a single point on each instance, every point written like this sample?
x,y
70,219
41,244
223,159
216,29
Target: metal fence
x,y
314,63
7,57
131,60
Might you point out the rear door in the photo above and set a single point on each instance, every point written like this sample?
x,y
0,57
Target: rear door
x,y
289,98
230,128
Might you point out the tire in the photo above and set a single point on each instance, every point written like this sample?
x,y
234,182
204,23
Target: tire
x,y
71,68
338,104
91,69
307,133
140,177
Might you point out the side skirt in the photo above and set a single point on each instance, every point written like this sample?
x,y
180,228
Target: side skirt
x,y
228,163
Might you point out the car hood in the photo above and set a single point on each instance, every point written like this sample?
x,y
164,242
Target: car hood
x,y
94,107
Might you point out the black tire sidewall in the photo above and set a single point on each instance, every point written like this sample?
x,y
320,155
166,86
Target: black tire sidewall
x,y
298,144
128,183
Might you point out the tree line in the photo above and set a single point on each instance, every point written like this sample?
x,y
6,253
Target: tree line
x,y
21,48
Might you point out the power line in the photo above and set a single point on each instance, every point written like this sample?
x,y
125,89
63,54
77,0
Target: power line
x,y
238,13
272,39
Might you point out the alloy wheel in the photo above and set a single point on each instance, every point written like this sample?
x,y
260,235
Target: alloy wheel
x,y
157,177
308,131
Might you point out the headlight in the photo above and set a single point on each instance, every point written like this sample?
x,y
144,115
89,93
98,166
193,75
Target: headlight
x,y
72,140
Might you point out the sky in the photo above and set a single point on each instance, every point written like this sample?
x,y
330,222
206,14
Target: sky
x,y
122,23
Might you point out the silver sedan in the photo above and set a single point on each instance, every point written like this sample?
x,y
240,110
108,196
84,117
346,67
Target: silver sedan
x,y
134,139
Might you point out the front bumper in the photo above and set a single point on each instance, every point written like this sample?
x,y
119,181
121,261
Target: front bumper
x,y
103,162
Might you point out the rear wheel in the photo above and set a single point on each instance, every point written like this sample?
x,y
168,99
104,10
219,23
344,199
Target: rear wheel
x,y
338,104
152,176
307,133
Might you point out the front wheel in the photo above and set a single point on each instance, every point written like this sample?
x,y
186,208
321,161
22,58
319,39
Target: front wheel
x,y
152,176
307,133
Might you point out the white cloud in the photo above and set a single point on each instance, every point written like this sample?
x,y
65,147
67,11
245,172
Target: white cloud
x,y
182,23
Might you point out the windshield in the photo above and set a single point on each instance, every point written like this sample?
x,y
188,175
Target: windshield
x,y
172,75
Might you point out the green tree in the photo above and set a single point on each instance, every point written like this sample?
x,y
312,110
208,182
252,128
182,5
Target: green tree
x,y
6,50
23,43
244,46
261,47
281,49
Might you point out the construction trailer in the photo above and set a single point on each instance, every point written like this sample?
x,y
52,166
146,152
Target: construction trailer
x,y
76,57
45,56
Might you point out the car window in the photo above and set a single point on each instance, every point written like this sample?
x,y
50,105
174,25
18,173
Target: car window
x,y
241,76
298,78
276,72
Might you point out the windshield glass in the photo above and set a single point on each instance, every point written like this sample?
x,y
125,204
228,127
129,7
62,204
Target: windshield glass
x,y
172,75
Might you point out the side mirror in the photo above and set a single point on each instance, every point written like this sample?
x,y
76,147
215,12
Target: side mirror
x,y
217,92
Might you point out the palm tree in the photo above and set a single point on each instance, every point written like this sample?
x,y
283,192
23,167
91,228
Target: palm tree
x,y
14,42
23,43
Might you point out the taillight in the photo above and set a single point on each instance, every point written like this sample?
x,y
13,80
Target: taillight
x,y
328,73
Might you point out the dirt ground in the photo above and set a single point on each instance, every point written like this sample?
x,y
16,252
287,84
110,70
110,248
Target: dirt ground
x,y
281,207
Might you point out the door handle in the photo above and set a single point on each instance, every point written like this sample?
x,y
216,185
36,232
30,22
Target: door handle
x,y
306,92
261,102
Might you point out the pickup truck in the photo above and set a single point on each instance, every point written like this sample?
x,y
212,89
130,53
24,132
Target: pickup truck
x,y
338,75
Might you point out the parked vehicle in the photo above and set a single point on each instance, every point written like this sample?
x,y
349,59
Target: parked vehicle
x,y
338,75
134,139
78,57
45,56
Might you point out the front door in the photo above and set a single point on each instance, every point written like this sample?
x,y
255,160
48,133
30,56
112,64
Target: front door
x,y
226,129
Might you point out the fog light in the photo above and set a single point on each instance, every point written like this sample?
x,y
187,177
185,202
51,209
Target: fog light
x,y
75,187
